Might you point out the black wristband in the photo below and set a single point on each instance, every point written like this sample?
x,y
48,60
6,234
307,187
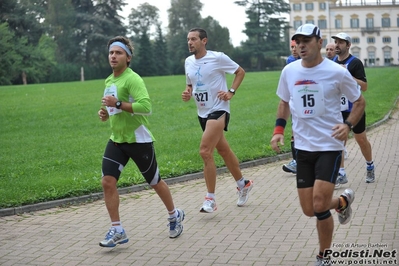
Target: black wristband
x,y
281,122
349,124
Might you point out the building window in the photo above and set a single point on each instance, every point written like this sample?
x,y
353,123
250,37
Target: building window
x,y
322,23
356,54
297,24
397,22
386,22
324,43
322,6
354,23
369,23
387,58
338,23
371,58
386,39
370,40
355,40
309,6
310,21
296,7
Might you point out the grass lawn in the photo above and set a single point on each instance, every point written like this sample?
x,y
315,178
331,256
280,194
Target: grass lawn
x,y
52,141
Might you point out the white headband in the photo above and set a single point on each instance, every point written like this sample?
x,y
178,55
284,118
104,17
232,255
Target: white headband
x,y
122,45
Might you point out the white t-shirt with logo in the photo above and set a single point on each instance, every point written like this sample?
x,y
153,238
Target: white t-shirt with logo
x,y
207,76
314,97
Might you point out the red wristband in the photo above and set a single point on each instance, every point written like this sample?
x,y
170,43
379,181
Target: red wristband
x,y
278,130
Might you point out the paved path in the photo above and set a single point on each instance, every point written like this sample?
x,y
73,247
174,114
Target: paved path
x,y
269,230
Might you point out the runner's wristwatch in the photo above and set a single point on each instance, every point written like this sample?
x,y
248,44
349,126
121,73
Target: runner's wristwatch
x,y
118,105
233,91
349,124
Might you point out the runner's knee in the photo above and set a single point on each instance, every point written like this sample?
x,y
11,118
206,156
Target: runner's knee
x,y
205,153
108,181
322,215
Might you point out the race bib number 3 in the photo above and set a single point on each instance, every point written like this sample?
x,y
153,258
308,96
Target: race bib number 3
x,y
308,100
344,103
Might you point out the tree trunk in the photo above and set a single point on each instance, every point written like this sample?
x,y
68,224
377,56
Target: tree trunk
x,y
82,74
24,81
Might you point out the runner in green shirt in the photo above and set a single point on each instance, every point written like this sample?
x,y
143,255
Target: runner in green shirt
x,y
126,104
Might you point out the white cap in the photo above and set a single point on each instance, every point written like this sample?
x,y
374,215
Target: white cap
x,y
307,30
342,36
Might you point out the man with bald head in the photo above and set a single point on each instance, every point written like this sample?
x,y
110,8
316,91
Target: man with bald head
x,y
330,51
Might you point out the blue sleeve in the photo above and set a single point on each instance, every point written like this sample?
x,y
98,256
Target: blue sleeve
x,y
290,59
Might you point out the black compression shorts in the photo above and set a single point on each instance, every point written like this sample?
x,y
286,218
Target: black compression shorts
x,y
317,165
117,155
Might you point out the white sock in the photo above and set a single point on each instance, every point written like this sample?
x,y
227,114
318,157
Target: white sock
x,y
173,214
342,171
117,225
241,183
210,195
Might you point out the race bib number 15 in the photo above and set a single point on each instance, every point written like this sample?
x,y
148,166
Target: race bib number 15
x,y
308,100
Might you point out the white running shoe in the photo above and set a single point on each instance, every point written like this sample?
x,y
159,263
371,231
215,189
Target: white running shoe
x,y
112,238
290,167
175,224
370,178
243,194
344,216
341,179
209,205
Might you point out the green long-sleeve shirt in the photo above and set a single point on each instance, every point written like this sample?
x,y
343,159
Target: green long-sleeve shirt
x,y
125,126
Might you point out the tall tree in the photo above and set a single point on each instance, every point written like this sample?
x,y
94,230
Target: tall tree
x,y
10,59
83,28
265,28
218,36
101,22
39,60
141,22
146,63
143,18
108,24
30,40
161,53
61,26
23,18
183,15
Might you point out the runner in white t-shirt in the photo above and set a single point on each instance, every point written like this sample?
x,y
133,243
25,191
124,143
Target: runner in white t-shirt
x,y
206,83
310,89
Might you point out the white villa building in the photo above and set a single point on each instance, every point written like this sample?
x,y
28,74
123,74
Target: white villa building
x,y
373,26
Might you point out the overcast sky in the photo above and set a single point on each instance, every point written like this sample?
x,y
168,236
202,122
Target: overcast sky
x,y
227,13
